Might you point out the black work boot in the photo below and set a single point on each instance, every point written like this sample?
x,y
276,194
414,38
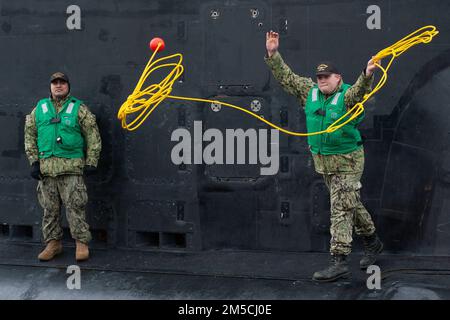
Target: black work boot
x,y
372,248
338,269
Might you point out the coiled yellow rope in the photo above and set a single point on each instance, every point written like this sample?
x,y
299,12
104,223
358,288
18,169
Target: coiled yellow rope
x,y
145,101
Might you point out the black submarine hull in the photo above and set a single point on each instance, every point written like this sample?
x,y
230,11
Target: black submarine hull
x,y
199,221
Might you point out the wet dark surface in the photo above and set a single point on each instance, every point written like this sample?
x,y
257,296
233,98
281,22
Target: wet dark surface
x,y
129,274
163,231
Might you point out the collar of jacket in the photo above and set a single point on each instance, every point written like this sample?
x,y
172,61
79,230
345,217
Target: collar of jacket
x,y
59,103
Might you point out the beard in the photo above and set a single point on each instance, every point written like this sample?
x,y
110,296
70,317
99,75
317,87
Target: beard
x,y
60,95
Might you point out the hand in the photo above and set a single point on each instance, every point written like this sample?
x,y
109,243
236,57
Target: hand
x,y
371,67
36,170
272,42
89,170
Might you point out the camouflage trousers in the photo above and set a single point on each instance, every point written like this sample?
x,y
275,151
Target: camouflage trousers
x,y
347,211
71,191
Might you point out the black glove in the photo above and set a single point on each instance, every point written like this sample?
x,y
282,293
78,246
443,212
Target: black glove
x,y
89,170
36,170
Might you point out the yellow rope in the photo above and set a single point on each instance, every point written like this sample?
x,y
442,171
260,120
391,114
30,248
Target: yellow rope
x,y
146,100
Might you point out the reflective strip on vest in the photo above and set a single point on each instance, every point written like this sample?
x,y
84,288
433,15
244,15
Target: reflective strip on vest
x,y
44,108
70,107
314,95
335,99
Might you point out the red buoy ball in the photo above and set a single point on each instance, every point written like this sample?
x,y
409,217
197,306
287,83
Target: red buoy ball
x,y
154,44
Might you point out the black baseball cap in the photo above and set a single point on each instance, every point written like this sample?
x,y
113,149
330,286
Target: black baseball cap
x,y
59,75
326,68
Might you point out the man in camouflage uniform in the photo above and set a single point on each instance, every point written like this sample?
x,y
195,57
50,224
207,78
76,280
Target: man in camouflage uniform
x,y
62,142
338,156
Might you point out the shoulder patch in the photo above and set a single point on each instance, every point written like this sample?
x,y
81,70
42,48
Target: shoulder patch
x,y
335,99
314,94
70,107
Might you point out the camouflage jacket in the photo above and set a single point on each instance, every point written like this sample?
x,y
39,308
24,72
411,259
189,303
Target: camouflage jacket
x,y
55,166
300,87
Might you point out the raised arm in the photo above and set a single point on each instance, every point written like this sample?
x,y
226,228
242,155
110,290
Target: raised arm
x,y
291,82
362,86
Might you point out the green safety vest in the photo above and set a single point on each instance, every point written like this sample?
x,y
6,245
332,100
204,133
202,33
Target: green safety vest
x,y
59,134
320,113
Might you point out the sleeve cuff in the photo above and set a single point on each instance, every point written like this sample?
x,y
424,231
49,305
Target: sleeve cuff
x,y
91,162
364,74
366,79
276,57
